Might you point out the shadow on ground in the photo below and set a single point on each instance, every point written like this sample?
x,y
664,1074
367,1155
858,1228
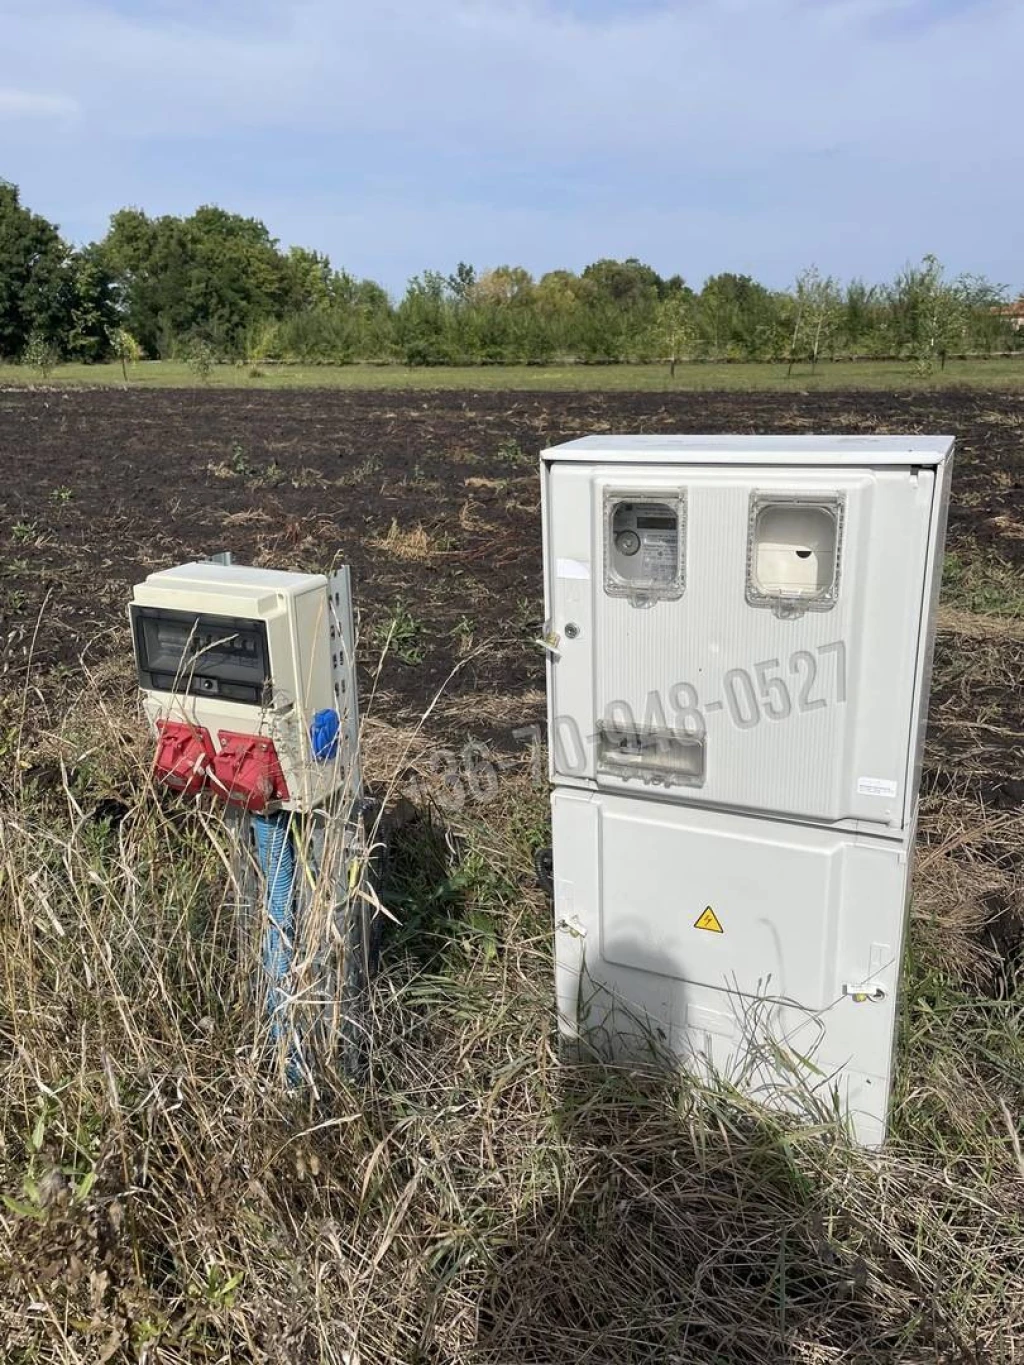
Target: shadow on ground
x,y
693,1236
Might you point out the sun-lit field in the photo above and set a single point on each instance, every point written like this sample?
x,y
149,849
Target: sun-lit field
x,y
478,1198
871,374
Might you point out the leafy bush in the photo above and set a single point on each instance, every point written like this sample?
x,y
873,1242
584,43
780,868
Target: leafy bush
x,y
200,359
41,355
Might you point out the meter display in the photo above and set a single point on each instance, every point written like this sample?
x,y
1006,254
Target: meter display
x,y
204,655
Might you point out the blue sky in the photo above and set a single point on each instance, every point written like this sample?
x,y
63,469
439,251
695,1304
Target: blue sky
x,y
700,135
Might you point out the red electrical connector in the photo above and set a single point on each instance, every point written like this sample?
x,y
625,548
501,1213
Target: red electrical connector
x,y
247,772
183,756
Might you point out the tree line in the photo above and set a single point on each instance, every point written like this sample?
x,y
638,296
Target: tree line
x,y
217,286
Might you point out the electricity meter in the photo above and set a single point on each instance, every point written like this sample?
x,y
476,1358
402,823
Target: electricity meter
x,y
247,678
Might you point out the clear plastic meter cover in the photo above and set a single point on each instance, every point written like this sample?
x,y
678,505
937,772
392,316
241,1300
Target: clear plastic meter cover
x,y
644,545
202,654
794,551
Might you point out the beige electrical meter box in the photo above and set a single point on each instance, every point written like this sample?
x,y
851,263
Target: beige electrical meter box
x,y
739,637
248,679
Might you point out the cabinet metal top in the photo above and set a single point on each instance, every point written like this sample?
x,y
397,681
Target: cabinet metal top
x,y
756,450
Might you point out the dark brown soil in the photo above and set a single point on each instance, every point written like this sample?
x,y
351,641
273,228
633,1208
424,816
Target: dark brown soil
x,y
98,487
976,723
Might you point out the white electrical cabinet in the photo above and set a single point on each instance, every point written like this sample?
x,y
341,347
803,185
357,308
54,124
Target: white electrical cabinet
x,y
739,638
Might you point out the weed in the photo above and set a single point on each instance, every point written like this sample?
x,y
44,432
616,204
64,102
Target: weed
x,y
270,476
239,466
25,531
983,583
462,634
400,633
525,616
362,472
237,461
308,478
511,452
62,494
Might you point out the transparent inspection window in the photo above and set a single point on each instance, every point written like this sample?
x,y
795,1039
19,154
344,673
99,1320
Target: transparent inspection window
x,y
644,545
671,758
794,551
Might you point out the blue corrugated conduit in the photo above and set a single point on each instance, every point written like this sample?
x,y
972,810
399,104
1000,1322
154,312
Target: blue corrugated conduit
x,y
277,863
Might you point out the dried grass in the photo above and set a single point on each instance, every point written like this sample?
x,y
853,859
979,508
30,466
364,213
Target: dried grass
x,y
975,626
469,514
415,543
479,1198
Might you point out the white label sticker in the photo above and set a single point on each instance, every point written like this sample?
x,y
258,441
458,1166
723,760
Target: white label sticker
x,y
876,786
571,568
658,562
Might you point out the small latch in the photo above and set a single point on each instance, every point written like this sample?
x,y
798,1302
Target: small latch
x,y
864,990
574,927
550,640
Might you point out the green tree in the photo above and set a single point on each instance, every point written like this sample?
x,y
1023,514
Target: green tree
x,y
863,315
355,321
214,274
498,322
237,276
931,315
125,349
308,281
557,307
630,283
373,318
462,282
200,358
424,321
987,326
618,302
739,318
149,259
41,354
676,333
816,316
35,286
93,307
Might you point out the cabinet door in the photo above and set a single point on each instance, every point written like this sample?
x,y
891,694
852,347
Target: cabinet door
x,y
739,637
769,951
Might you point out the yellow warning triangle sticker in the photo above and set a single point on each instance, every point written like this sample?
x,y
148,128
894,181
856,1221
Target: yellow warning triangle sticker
x,y
709,921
